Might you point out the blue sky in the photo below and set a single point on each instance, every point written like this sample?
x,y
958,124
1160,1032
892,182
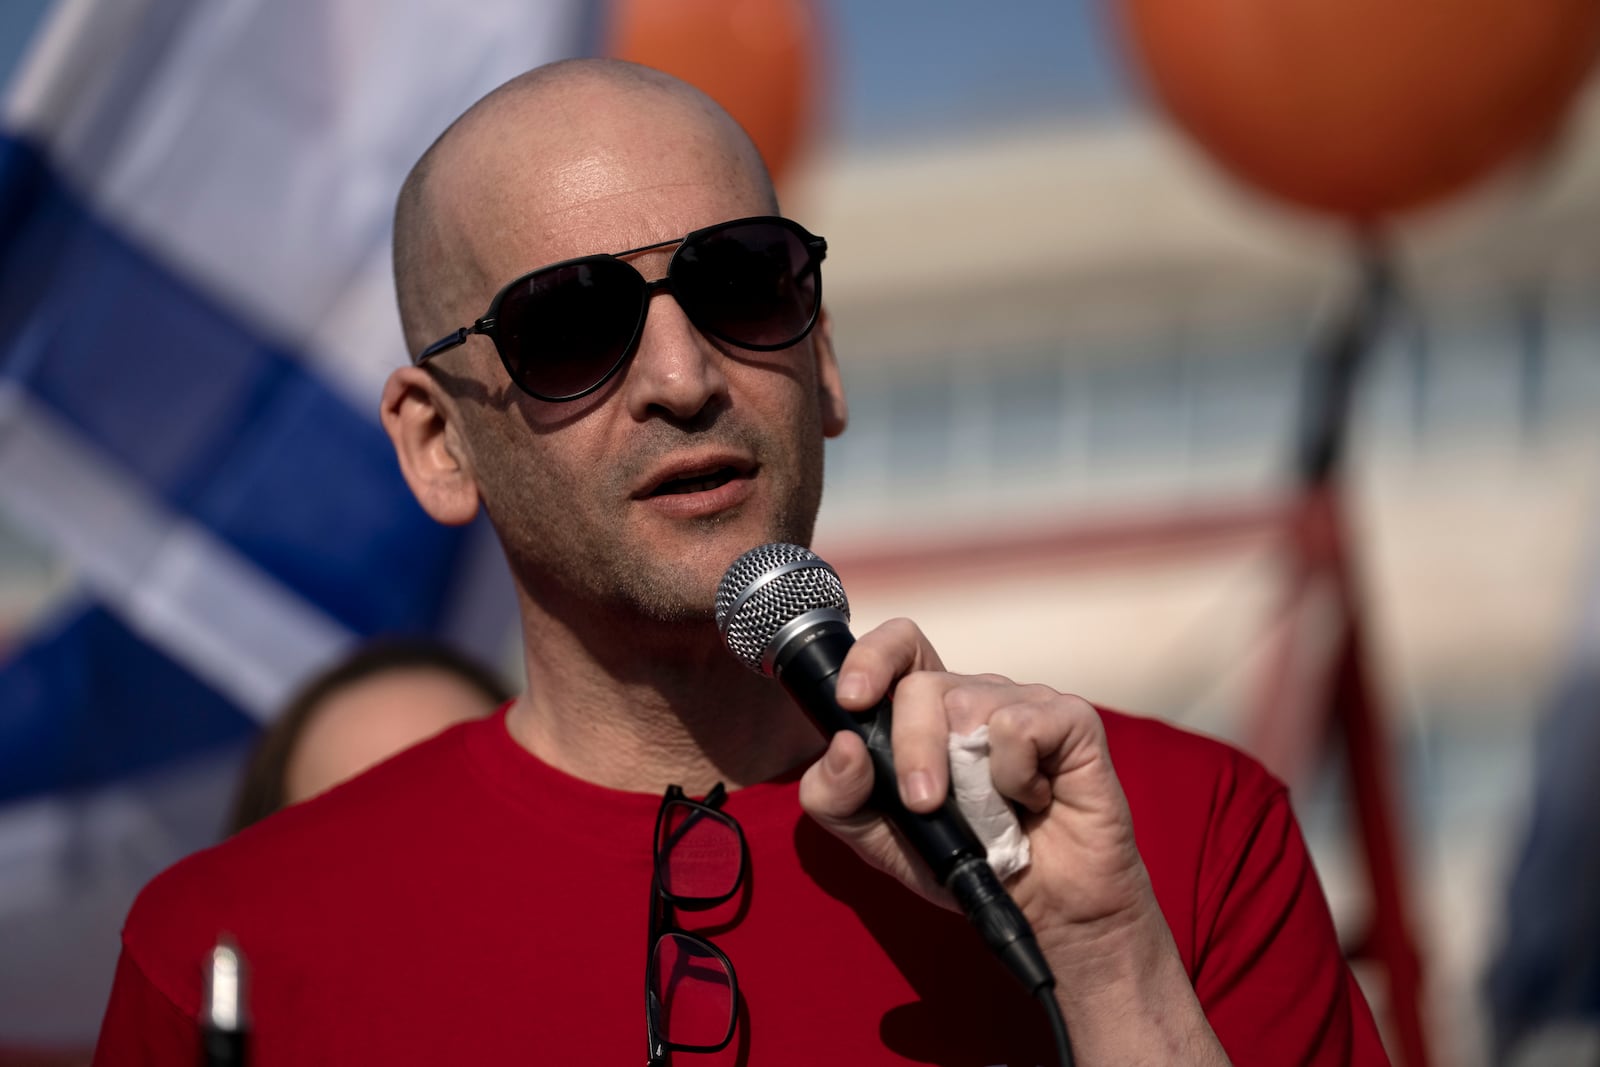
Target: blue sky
x,y
911,68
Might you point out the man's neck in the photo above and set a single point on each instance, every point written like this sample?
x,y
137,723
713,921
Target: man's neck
x,y
649,705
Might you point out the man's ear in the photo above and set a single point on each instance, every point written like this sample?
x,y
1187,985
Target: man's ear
x,y
830,386
423,424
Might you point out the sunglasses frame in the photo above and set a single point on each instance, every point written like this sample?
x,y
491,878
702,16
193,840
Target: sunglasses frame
x,y
488,323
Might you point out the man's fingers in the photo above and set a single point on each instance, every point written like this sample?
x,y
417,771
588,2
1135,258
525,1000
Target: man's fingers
x,y
836,787
1034,741
1047,752
880,657
931,705
834,791
1018,735
972,699
921,740
897,658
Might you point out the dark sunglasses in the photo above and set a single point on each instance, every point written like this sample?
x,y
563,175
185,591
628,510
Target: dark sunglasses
x,y
562,331
691,994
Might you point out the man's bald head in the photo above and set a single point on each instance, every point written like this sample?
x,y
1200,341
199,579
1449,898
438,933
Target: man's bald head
x,y
574,160
479,179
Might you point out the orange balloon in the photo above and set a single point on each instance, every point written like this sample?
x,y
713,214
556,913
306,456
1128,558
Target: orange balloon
x,y
757,58
1364,108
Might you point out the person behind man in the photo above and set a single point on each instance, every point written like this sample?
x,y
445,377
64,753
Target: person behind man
x,y
378,700
494,895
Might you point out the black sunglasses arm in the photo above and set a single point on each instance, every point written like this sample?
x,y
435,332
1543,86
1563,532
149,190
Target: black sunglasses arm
x,y
449,341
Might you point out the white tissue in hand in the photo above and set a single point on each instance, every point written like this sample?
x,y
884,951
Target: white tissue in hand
x,y
988,812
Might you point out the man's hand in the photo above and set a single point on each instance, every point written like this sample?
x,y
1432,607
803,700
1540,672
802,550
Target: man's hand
x,y
1086,891
1047,753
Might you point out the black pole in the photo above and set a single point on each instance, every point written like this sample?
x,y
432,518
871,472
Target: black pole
x,y
1336,364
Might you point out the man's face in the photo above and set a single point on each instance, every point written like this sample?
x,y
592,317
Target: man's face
x,y
639,495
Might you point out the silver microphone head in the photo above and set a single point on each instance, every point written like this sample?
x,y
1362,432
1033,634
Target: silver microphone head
x,y
769,589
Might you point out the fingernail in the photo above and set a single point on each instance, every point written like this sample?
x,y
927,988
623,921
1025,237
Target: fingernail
x,y
919,787
852,687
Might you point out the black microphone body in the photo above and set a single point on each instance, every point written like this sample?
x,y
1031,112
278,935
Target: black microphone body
x,y
808,666
805,651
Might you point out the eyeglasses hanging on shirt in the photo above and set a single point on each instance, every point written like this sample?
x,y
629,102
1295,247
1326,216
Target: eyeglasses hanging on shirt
x,y
691,990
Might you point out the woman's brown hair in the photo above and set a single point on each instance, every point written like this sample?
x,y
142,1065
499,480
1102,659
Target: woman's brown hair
x,y
261,787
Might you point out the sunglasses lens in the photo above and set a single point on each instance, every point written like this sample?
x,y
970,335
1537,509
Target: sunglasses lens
x,y
563,330
753,284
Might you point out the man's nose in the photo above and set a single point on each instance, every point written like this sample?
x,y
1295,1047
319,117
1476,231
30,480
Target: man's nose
x,y
677,371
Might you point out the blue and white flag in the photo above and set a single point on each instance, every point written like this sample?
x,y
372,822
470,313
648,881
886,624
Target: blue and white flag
x,y
196,318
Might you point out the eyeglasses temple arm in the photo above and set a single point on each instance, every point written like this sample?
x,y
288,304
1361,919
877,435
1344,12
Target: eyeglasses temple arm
x,y
443,344
713,801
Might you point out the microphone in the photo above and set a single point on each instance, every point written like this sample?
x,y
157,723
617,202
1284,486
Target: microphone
x,y
783,613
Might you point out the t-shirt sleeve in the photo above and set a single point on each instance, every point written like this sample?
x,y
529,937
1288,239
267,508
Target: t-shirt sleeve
x,y
142,1028
1270,975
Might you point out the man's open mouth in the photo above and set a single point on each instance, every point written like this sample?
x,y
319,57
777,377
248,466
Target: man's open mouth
x,y
696,483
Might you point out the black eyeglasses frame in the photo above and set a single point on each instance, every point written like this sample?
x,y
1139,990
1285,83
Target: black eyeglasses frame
x,y
662,924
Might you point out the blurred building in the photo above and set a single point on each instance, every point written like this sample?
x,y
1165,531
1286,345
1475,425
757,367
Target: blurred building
x,y
1062,339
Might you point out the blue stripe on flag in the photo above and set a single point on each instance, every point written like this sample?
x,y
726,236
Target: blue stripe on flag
x,y
208,414
92,702
23,182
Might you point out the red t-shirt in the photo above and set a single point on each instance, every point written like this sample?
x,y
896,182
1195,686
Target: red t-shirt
x,y
465,903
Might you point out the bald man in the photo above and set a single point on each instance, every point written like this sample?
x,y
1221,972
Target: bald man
x,y
621,355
